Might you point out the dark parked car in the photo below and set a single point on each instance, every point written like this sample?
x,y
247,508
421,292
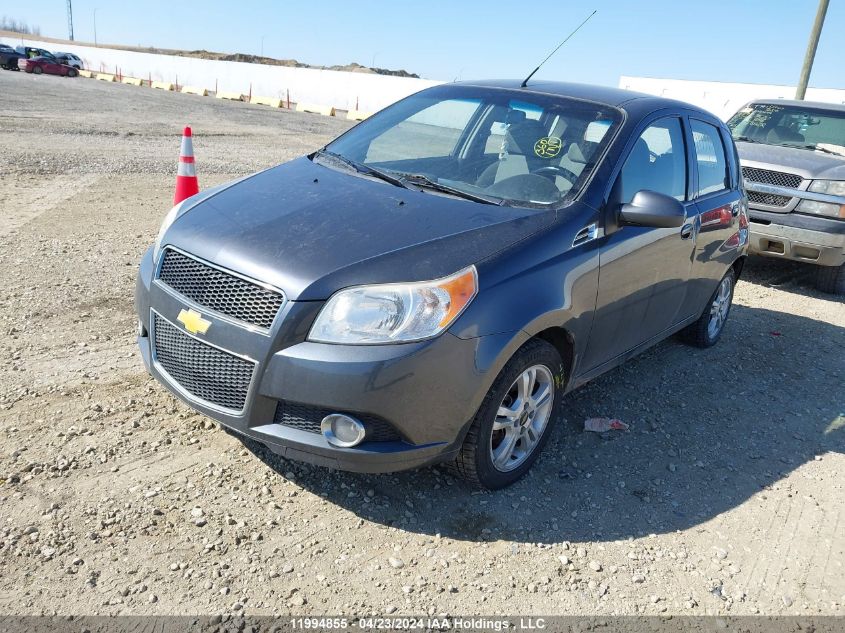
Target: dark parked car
x,y
9,58
49,65
793,160
428,286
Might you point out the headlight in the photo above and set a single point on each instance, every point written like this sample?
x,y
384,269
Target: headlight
x,y
821,208
831,187
394,313
169,219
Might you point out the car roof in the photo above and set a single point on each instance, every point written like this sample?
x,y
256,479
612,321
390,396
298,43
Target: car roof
x,y
633,102
821,105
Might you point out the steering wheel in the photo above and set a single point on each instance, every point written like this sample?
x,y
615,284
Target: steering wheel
x,y
557,170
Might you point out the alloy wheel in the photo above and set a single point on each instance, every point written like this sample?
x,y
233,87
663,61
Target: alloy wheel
x,y
719,308
522,418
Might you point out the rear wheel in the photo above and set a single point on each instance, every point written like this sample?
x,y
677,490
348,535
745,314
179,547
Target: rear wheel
x,y
513,422
38,70
706,331
72,72
831,279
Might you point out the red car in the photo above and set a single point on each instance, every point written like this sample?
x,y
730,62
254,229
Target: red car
x,y
44,64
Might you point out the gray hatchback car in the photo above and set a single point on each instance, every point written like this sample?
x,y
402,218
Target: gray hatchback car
x,y
427,287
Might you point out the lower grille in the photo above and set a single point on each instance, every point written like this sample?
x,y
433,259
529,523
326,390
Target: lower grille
x,y
205,372
307,418
770,199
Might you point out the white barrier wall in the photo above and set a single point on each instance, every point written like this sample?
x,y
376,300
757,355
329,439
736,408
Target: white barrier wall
x,y
368,92
723,99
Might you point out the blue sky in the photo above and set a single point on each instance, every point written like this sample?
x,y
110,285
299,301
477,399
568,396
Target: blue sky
x,y
758,41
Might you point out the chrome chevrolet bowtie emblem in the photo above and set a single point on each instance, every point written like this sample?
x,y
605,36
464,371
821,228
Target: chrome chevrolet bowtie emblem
x,y
193,321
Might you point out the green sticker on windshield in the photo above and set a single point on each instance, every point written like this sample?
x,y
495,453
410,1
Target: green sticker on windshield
x,y
548,147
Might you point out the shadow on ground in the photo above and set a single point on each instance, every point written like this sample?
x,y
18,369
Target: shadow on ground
x,y
784,274
709,429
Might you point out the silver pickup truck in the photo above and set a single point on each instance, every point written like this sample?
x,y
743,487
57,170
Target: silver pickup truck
x,y
793,163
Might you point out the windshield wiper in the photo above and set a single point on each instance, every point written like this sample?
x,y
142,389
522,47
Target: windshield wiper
x,y
823,149
746,139
365,169
421,180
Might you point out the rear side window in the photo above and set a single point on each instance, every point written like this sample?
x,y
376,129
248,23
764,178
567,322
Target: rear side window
x,y
657,162
710,158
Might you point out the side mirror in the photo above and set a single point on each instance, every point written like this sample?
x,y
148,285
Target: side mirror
x,y
649,208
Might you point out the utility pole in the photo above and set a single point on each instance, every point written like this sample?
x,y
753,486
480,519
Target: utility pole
x,y
801,90
69,21
95,26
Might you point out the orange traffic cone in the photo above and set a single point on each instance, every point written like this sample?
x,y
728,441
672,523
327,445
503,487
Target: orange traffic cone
x,y
187,184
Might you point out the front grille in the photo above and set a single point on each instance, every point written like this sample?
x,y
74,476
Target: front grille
x,y
307,418
220,291
769,177
205,372
770,199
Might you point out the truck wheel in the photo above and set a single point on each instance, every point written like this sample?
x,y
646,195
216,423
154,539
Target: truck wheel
x,y
706,331
513,422
831,279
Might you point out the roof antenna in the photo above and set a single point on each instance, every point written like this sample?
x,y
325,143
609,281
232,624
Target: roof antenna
x,y
525,81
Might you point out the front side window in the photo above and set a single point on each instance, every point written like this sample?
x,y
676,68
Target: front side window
x,y
508,147
710,158
657,162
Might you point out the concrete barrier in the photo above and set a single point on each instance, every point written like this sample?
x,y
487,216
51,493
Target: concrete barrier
x,y
268,101
162,85
193,90
132,81
232,96
369,92
86,73
315,109
357,115
106,77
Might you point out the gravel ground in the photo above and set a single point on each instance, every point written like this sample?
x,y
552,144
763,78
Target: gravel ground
x,y
726,496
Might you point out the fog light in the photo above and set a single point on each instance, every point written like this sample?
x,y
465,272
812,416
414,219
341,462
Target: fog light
x,y
342,430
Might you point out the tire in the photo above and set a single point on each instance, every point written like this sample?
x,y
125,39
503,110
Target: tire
x,y
831,279
702,333
475,461
38,70
72,72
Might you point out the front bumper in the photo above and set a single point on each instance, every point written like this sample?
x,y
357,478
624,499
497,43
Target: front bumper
x,y
808,239
428,392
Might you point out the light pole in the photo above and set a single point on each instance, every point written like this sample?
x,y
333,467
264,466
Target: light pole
x,y
95,26
373,63
812,45
262,45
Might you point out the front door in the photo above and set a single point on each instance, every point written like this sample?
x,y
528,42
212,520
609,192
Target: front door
x,y
644,271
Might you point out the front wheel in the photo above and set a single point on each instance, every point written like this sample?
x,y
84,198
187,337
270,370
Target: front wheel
x,y
514,421
706,331
831,279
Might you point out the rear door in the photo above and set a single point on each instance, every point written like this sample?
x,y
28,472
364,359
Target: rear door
x,y
644,271
718,199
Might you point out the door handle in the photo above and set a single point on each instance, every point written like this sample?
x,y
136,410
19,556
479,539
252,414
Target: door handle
x,y
686,231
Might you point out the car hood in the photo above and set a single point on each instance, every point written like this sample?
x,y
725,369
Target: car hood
x,y
310,230
807,163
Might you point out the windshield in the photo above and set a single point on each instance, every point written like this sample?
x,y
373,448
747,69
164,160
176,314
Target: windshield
x,y
499,146
790,125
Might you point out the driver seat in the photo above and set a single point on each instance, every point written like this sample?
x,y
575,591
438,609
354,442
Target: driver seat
x,y
520,158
